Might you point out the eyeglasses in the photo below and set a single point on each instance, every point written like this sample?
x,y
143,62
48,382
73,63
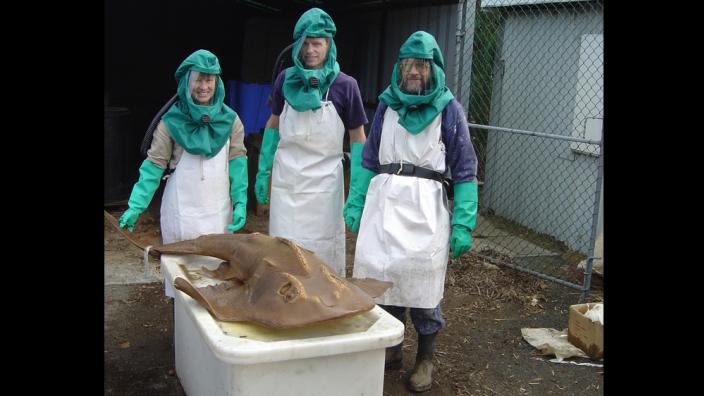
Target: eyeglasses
x,y
420,64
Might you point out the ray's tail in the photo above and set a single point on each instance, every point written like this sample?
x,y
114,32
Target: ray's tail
x,y
140,243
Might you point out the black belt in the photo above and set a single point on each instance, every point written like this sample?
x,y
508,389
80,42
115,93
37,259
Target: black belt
x,y
411,170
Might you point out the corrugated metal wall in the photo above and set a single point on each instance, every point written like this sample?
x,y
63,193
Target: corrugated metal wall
x,y
534,89
391,29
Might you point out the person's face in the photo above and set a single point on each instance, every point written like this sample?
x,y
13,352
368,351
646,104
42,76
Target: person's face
x,y
203,88
415,75
314,51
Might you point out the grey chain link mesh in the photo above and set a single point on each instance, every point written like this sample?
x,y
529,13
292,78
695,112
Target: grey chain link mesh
x,y
530,74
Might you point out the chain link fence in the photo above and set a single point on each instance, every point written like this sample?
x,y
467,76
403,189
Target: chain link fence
x,y
530,74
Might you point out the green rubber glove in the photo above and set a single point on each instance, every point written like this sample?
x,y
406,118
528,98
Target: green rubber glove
x,y
142,193
464,218
238,192
359,183
266,160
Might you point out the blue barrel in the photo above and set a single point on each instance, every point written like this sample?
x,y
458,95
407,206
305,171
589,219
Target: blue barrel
x,y
249,100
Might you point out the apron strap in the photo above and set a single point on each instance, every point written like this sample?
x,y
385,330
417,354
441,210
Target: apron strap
x,y
167,173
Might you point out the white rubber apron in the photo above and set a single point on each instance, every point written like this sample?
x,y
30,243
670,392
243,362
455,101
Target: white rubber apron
x,y
405,227
307,183
196,199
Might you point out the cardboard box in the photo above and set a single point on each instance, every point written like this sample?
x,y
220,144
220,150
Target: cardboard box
x,y
585,334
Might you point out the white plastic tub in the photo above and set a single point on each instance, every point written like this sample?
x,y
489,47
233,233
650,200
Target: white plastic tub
x,y
340,357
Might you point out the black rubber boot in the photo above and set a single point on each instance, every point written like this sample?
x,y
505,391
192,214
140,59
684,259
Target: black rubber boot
x,y
421,377
394,357
394,354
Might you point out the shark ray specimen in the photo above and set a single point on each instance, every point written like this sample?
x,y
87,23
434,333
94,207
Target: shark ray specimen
x,y
272,281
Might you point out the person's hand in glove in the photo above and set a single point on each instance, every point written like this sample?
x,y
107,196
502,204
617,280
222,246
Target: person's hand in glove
x,y
238,192
360,178
142,193
464,218
129,219
266,159
239,217
460,240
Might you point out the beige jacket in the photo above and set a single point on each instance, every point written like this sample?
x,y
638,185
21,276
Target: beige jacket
x,y
164,150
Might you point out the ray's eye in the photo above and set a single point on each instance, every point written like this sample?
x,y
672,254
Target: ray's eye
x,y
288,292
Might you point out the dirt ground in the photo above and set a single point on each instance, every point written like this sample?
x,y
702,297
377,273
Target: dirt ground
x,y
480,352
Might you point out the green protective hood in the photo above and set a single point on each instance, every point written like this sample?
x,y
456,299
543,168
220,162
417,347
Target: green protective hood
x,y
297,89
184,118
417,111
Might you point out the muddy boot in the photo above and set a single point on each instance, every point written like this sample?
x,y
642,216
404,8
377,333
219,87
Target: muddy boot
x,y
394,357
421,377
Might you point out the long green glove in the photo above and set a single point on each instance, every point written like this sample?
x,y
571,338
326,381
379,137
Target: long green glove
x,y
464,218
266,160
142,193
359,183
238,192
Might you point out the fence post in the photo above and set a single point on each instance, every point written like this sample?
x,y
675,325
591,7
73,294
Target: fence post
x,y
468,15
595,224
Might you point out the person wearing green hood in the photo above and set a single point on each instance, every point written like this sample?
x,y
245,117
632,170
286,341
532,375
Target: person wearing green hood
x,y
201,140
313,104
398,204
